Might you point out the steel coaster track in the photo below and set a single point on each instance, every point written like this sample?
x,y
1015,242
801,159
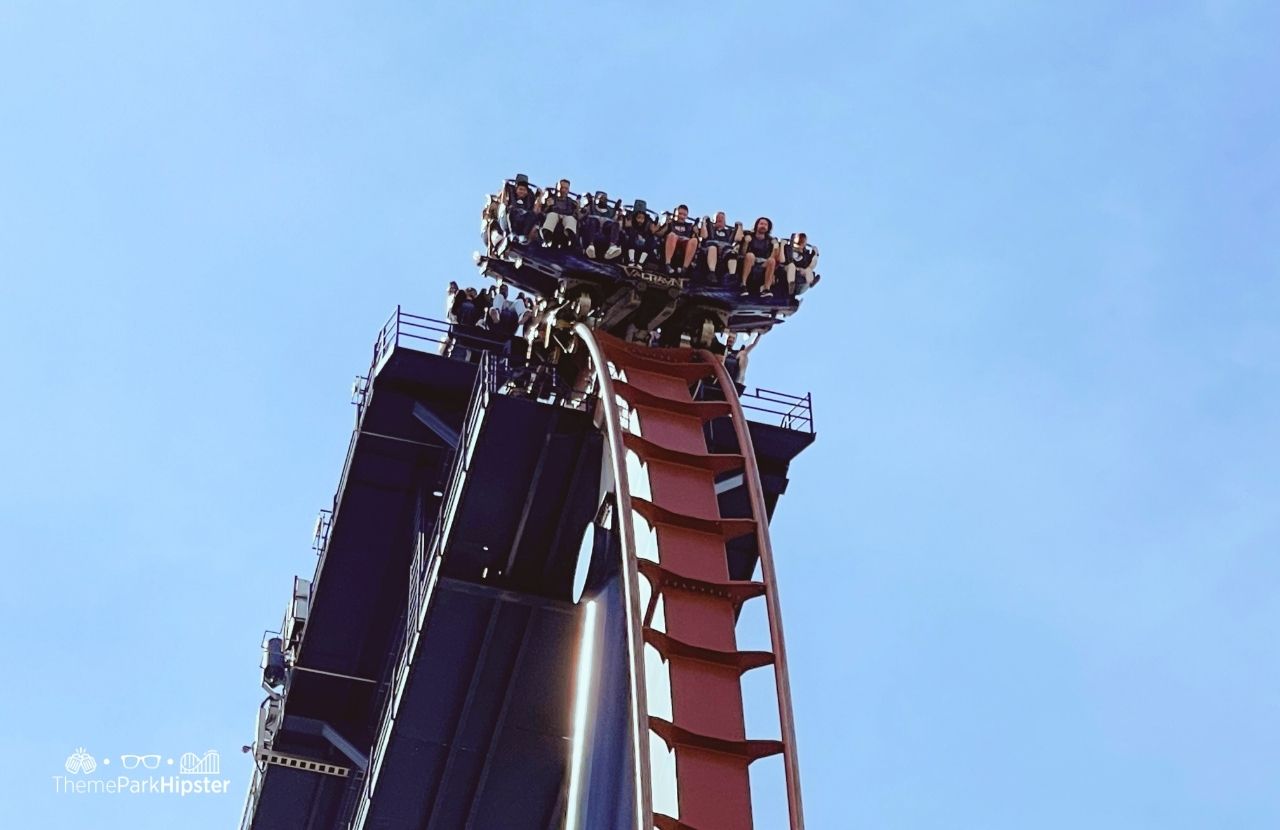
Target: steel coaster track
x,y
700,601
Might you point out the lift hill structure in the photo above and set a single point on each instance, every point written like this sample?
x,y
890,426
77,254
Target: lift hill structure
x,y
527,590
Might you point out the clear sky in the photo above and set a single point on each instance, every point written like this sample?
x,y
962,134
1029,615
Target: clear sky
x,y
1031,569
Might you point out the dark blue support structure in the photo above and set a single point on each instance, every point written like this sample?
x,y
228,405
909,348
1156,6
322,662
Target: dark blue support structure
x,y
429,679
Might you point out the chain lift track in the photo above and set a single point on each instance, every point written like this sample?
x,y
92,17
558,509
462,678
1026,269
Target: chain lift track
x,y
679,598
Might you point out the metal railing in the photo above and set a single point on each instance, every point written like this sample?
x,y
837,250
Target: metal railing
x,y
791,411
360,395
427,334
428,551
320,537
249,812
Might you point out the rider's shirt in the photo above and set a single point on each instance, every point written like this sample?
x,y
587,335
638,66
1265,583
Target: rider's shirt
x,y
721,236
603,212
683,228
800,257
564,205
760,245
638,226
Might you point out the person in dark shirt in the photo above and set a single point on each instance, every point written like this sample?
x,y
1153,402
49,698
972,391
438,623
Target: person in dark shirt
x,y
519,210
718,241
799,259
561,210
469,308
737,350
759,246
510,185
504,317
464,307
679,235
483,302
638,235
601,227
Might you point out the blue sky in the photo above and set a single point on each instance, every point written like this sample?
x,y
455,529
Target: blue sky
x,y
1030,570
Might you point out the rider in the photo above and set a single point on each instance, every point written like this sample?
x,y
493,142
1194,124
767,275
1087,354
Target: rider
x,y
518,212
639,233
601,224
799,257
562,211
718,239
677,232
759,246
504,315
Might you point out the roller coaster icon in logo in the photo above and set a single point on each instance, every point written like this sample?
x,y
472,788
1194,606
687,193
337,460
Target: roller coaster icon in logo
x,y
208,764
80,762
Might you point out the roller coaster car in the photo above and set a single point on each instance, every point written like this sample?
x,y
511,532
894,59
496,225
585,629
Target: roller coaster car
x,y
631,300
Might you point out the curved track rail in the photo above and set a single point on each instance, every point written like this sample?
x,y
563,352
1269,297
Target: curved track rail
x,y
685,611
631,580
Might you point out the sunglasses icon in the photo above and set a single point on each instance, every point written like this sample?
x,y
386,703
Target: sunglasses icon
x,y
147,761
